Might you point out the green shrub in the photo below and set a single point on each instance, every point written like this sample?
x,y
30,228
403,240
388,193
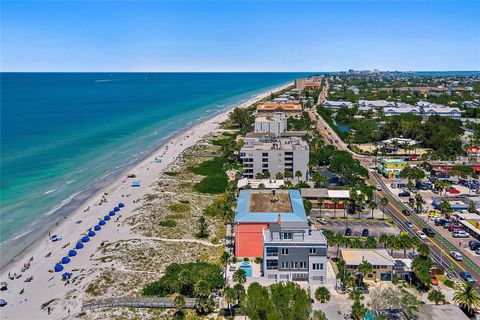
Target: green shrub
x,y
449,283
171,173
179,207
215,180
182,278
170,223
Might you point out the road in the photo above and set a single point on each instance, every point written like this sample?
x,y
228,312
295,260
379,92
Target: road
x,y
440,246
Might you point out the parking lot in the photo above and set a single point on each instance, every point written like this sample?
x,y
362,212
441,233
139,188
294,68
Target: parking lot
x,y
375,227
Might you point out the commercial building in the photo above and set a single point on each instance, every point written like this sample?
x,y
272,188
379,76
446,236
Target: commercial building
x,y
256,210
365,105
401,109
262,153
293,252
325,198
390,168
275,124
381,261
290,109
337,104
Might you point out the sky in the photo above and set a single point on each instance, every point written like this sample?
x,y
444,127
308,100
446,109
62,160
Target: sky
x,y
243,36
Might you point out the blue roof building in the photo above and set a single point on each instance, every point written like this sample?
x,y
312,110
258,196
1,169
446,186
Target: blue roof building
x,y
257,206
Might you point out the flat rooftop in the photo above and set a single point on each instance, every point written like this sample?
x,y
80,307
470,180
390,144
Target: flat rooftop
x,y
262,206
266,202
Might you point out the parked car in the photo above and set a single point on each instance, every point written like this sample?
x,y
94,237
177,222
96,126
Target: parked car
x,y
466,276
348,232
453,191
477,251
409,224
322,221
378,187
393,185
401,185
421,235
412,255
447,225
433,215
460,234
456,255
365,233
429,232
361,289
404,194
434,281
406,212
474,244
455,227
440,221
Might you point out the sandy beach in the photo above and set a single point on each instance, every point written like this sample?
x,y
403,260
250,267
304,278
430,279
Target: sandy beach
x,y
26,298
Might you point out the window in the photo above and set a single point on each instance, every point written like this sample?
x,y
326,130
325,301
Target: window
x,y
284,251
313,251
303,265
317,266
284,265
272,251
264,154
287,236
272,264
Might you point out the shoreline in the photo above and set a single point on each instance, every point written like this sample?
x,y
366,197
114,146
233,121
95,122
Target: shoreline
x,y
79,219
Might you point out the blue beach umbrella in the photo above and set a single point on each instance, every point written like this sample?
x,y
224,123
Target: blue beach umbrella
x,y
116,209
121,205
85,239
111,213
65,260
79,245
97,228
58,267
102,222
106,218
91,233
72,253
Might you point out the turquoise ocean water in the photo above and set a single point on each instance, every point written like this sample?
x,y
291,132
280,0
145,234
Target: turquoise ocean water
x,y
63,133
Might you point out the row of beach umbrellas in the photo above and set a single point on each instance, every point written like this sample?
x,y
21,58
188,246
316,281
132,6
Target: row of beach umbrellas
x,y
91,233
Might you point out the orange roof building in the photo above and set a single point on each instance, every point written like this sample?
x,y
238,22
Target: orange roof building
x,y
279,107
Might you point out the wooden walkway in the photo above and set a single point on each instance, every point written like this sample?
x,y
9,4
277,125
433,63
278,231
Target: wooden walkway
x,y
136,302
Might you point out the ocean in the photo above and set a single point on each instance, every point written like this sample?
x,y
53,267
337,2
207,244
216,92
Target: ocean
x,y
64,134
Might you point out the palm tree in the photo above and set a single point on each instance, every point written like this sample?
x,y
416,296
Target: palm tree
x,y
335,204
384,202
436,296
225,258
467,295
230,297
365,268
202,288
404,242
372,205
240,276
383,239
322,294
298,175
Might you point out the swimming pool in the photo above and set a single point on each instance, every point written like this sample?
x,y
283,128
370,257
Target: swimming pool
x,y
247,267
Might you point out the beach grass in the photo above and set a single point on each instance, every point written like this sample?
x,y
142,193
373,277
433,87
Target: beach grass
x,y
215,180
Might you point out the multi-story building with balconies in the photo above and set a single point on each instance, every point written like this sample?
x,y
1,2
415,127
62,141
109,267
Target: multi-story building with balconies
x,y
294,252
264,152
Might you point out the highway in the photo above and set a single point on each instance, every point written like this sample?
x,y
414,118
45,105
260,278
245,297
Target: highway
x,y
440,247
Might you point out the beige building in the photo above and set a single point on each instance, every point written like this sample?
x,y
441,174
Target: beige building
x,y
290,109
381,261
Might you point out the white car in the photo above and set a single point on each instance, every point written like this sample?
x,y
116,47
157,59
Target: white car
x,y
378,187
460,234
456,255
421,235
